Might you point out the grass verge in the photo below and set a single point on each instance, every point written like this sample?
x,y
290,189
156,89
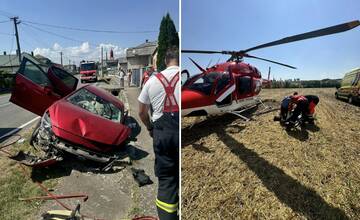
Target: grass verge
x,y
14,185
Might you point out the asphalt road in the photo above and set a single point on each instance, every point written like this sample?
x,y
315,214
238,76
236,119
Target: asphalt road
x,y
12,116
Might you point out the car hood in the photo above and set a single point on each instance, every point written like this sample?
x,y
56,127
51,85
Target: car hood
x,y
82,123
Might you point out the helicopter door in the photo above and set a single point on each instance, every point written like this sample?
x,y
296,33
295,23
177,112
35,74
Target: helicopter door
x,y
243,86
223,90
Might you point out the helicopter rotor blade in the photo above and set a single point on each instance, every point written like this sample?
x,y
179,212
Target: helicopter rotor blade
x,y
318,33
197,65
271,61
201,51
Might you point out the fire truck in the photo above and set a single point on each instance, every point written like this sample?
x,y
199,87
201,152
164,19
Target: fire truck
x,y
88,71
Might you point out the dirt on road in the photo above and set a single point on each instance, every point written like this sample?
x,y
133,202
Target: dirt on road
x,y
258,170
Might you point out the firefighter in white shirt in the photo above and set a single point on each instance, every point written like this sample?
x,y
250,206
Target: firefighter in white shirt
x,y
161,92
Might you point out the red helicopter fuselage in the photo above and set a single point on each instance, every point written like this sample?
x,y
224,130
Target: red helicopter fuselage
x,y
221,88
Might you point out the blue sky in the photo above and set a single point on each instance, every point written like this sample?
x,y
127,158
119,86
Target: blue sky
x,y
241,24
125,15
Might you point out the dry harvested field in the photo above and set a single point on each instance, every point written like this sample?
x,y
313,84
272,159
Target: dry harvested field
x,y
258,170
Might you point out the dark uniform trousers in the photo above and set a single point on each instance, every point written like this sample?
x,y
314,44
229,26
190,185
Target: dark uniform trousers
x,y
166,148
301,108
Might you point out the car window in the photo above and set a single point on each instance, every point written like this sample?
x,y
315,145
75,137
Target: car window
x,y
65,77
87,100
34,73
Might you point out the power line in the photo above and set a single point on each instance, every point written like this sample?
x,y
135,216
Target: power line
x,y
59,35
91,30
2,33
6,14
35,37
52,33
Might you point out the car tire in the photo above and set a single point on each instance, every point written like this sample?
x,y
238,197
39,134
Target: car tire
x,y
350,100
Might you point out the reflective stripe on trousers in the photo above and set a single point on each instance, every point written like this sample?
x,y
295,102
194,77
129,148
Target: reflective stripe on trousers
x,y
170,208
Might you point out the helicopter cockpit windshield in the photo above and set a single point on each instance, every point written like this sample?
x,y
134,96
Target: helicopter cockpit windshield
x,y
206,82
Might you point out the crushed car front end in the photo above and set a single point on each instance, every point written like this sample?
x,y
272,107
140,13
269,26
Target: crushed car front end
x,y
68,127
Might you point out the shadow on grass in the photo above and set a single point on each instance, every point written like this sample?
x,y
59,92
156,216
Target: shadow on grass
x,y
191,134
201,147
289,191
302,134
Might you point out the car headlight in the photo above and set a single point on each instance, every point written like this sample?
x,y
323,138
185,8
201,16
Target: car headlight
x,y
46,121
45,130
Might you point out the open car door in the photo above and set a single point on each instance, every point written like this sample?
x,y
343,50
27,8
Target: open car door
x,y
37,85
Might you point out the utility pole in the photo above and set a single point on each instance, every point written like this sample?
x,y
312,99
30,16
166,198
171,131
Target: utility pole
x,y
102,61
18,51
61,58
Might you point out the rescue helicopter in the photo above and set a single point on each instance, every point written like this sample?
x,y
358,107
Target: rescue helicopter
x,y
234,86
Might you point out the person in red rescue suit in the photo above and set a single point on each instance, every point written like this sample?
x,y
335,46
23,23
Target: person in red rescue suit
x,y
161,92
304,105
147,74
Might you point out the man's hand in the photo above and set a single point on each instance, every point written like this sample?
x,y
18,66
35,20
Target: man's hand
x,y
144,116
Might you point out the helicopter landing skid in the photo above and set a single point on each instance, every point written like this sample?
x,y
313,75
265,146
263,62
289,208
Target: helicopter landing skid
x,y
238,113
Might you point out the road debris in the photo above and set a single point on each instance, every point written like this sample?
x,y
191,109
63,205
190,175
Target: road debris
x,y
57,197
140,177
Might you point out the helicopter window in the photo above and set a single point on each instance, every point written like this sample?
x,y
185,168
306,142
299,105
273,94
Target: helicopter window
x,y
205,83
257,86
223,81
244,85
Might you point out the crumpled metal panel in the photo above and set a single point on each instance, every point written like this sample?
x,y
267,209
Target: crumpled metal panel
x,y
87,125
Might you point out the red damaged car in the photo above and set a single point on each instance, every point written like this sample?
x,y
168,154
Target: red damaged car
x,y
87,122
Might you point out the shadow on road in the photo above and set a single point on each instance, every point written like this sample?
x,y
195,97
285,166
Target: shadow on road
x,y
135,152
53,172
3,131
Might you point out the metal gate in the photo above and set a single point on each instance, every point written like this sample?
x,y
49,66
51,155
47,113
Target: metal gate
x,y
136,77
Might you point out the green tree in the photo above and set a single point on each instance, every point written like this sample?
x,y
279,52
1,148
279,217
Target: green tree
x,y
168,37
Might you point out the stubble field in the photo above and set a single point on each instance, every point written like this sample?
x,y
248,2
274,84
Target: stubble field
x,y
258,170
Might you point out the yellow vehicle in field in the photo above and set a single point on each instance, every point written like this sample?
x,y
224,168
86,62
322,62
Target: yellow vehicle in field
x,y
350,87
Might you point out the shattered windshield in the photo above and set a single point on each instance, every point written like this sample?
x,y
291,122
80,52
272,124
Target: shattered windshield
x,y
95,104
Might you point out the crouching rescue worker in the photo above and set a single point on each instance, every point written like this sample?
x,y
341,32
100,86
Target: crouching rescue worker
x,y
161,92
284,107
304,105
